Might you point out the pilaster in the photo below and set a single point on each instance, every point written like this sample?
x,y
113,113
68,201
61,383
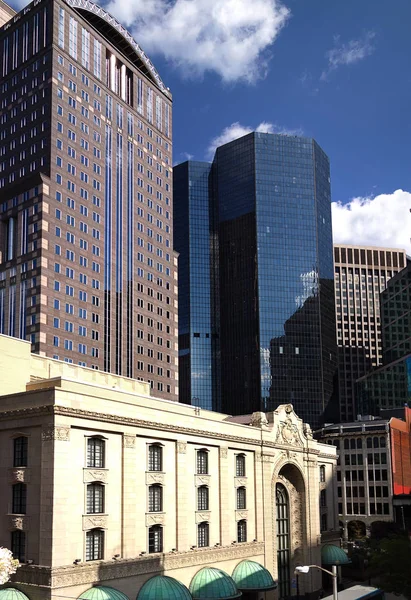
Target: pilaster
x,y
129,496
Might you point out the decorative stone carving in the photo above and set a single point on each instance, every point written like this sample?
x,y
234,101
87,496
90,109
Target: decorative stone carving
x,y
154,478
258,457
202,480
19,475
21,523
203,515
90,475
241,514
288,408
182,447
91,521
259,419
268,458
154,519
240,481
308,431
289,432
55,432
223,452
129,441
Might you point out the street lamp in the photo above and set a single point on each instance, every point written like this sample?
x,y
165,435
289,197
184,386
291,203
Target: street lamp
x,y
333,573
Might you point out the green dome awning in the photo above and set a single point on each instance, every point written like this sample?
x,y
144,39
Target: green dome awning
x,y
162,587
100,592
213,584
12,594
333,555
250,576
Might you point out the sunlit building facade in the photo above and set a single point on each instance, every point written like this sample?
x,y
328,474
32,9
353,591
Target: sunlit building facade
x,y
87,270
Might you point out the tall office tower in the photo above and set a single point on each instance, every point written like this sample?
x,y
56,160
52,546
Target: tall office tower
x,y
271,197
361,274
87,270
6,12
196,242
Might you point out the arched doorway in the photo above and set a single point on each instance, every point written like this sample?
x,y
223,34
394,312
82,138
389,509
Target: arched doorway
x,y
282,502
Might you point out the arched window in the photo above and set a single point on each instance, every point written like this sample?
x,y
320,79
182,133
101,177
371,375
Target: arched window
x,y
382,442
19,500
203,535
20,451
95,498
155,498
95,544
337,444
240,465
18,545
352,444
346,444
155,457
375,442
322,473
359,443
241,498
155,539
242,531
96,453
283,541
202,462
369,442
202,498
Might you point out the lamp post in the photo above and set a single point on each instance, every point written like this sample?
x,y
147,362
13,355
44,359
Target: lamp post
x,y
333,573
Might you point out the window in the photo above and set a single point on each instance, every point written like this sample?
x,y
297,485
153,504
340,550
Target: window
x,y
20,452
155,457
324,525
155,539
240,465
95,498
241,498
242,531
18,545
155,498
202,462
96,453
202,498
323,498
322,473
283,540
19,500
95,544
203,535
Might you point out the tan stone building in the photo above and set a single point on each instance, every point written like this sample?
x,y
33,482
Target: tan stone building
x,y
6,13
103,485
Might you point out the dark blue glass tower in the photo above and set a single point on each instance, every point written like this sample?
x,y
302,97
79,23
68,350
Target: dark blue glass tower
x,y
270,196
194,239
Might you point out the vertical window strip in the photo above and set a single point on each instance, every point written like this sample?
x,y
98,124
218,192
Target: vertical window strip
x,y
97,59
158,114
107,242
36,33
140,96
5,56
12,310
85,48
73,38
23,300
15,49
61,28
45,26
2,310
166,119
149,114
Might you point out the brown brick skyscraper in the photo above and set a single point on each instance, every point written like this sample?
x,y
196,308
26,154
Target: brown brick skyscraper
x,y
87,270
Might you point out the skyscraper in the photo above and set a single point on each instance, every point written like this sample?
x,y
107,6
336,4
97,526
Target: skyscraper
x,y
87,270
361,274
270,196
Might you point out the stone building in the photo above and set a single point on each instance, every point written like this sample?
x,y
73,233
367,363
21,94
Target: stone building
x,y
104,485
6,13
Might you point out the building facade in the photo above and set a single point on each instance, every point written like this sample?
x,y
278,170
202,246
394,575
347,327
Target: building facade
x,y
361,274
389,386
6,12
275,308
364,473
87,270
105,485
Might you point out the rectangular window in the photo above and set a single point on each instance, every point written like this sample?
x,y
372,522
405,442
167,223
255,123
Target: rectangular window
x,y
95,544
73,38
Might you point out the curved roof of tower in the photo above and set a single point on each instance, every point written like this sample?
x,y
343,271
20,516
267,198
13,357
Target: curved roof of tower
x,y
117,35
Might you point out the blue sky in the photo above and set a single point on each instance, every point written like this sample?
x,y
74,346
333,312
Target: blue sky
x,y
336,70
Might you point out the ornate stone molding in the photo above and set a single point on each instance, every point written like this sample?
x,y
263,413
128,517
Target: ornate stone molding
x,y
202,480
90,475
240,481
203,515
91,521
154,519
182,447
154,478
129,441
268,458
55,432
19,475
223,452
241,514
18,522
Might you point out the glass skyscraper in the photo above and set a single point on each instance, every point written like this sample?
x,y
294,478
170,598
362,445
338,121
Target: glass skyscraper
x,y
270,197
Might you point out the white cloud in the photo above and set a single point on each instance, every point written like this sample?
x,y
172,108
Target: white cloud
x,y
229,37
348,53
236,130
383,220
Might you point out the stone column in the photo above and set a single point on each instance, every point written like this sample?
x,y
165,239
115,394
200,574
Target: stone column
x,y
129,497
226,511
181,495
